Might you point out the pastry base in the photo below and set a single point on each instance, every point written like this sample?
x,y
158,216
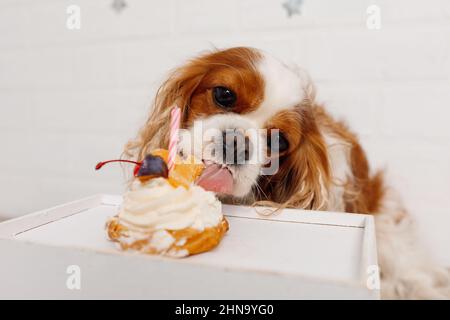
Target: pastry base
x,y
187,242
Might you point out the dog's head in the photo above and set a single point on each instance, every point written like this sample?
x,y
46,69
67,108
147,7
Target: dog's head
x,y
249,117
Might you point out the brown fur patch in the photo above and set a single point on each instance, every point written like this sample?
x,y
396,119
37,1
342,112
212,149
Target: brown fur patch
x,y
364,191
304,170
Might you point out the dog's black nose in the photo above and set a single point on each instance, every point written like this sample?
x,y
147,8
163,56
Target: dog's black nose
x,y
236,147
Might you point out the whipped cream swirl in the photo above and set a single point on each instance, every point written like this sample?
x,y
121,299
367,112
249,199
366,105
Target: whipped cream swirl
x,y
157,205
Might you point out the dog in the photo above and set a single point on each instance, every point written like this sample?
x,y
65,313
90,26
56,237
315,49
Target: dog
x,y
320,162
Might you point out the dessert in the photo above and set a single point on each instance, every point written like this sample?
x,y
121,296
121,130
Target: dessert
x,y
165,212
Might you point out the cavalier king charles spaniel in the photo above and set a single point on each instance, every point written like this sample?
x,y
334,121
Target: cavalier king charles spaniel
x,y
250,102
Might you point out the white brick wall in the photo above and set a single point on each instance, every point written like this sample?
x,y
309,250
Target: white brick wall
x,y
71,98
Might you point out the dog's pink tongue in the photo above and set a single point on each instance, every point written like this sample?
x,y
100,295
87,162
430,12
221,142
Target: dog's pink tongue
x,y
216,179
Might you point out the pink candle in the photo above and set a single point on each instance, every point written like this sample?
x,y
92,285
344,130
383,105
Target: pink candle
x,y
175,116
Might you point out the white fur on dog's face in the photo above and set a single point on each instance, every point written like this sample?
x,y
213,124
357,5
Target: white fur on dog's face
x,y
204,140
283,90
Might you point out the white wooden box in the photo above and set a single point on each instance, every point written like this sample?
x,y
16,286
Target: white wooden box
x,y
292,255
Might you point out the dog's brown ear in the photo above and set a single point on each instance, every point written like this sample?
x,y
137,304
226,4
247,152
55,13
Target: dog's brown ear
x,y
309,172
176,90
303,178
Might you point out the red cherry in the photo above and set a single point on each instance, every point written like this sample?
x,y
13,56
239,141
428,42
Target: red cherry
x,y
153,166
136,169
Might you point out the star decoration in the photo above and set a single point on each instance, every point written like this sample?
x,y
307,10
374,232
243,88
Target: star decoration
x,y
119,5
292,7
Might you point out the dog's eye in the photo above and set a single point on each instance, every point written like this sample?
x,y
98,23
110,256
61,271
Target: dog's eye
x,y
224,97
277,138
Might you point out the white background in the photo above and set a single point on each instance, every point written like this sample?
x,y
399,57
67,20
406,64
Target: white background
x,y
70,98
